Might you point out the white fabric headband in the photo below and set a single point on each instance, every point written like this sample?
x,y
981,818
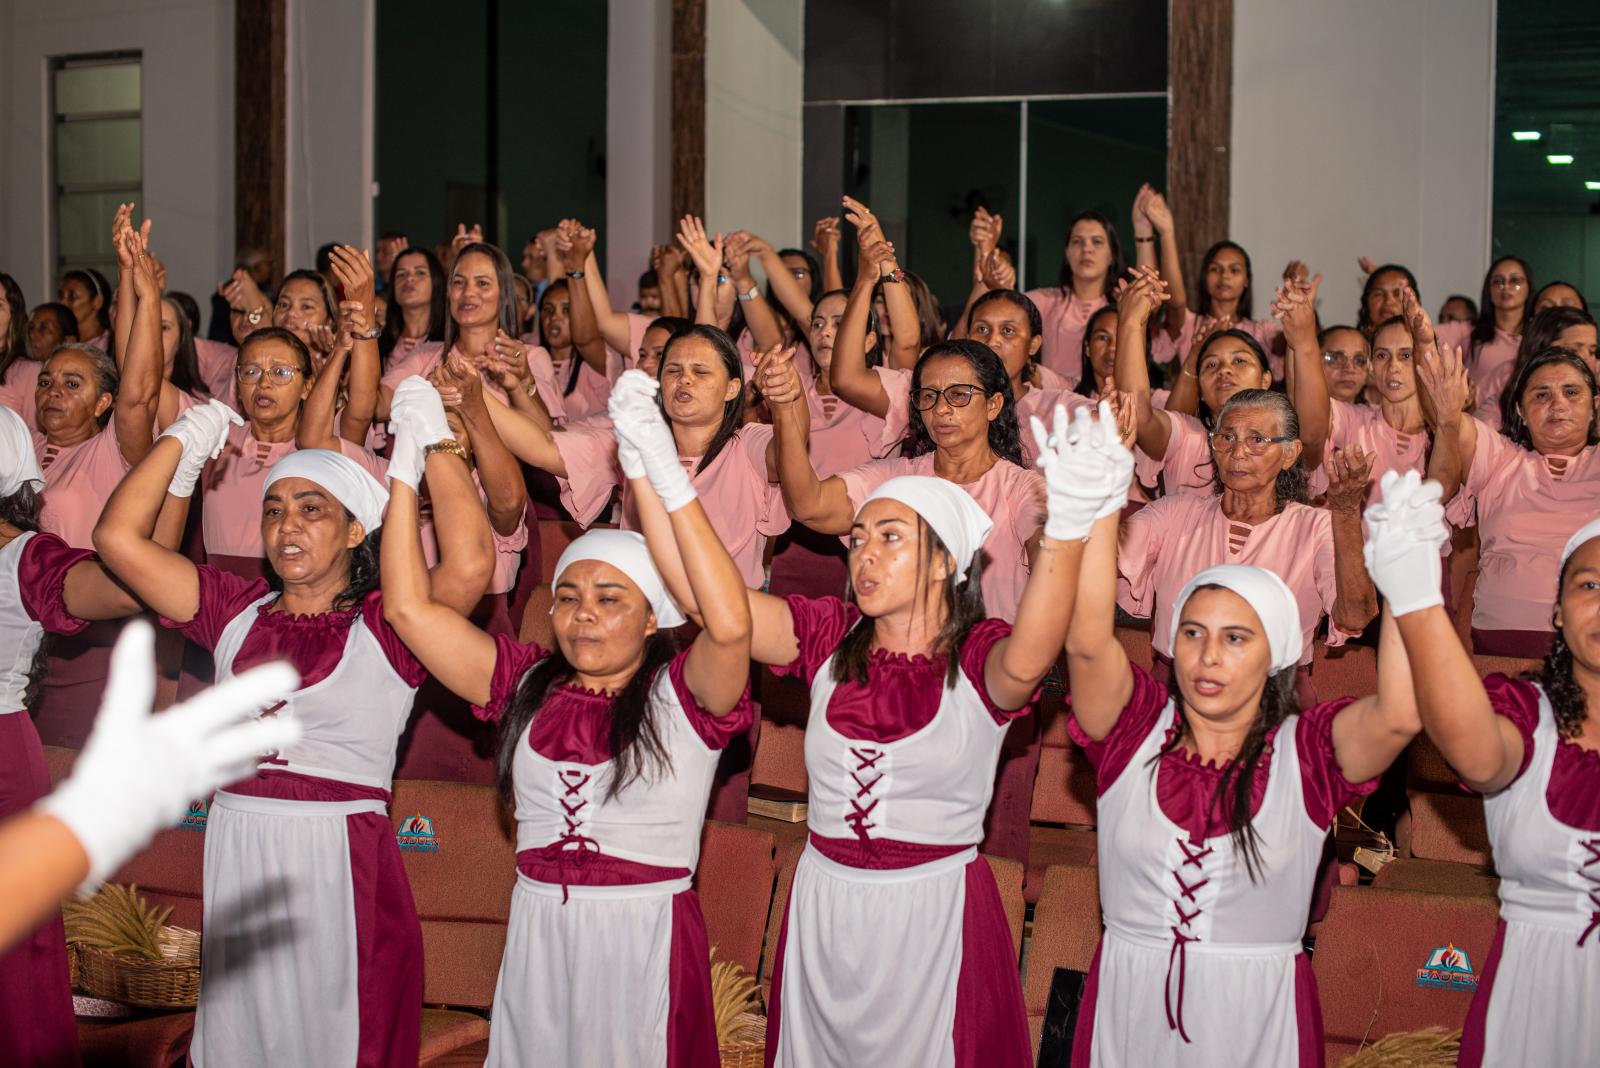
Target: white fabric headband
x,y
19,464
349,482
1589,530
947,508
626,551
1263,591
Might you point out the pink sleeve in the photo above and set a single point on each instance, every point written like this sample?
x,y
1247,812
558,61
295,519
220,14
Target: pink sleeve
x,y
217,361
375,465
975,659
419,361
1323,786
42,581
862,480
820,624
1165,348
590,455
774,518
1111,754
1138,545
897,385
512,659
1341,423
400,657
551,392
1518,701
1491,453
223,595
716,731
1327,579
1457,333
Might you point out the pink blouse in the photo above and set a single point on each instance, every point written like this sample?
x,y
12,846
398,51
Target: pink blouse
x,y
1038,400
1186,469
745,509
1065,319
1012,496
1489,358
1170,540
1164,348
746,344
1573,792
507,547
1186,785
1352,425
77,482
218,362
17,391
842,436
233,483
1527,506
1490,387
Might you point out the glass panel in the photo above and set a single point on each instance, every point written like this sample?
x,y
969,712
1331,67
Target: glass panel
x,y
923,169
97,87
1085,154
84,223
99,150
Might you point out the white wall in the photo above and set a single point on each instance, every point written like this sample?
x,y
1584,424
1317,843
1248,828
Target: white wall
x,y
754,78
329,133
188,129
1363,127
638,140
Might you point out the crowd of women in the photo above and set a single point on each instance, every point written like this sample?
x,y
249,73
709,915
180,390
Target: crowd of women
x,y
922,521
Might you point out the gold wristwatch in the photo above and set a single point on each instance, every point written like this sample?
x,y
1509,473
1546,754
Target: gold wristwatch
x,y
447,445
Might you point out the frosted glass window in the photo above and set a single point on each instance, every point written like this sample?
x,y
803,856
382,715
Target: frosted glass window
x,y
97,154
98,151
97,87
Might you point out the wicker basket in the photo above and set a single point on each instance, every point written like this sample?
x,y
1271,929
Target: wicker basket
x,y
749,1052
170,983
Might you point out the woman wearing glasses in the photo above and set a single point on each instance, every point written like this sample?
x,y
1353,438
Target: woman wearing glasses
x,y
1346,359
1260,517
1554,327
1504,308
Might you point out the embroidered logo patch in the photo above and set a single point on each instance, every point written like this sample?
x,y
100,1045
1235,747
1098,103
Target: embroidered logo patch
x,y
1448,969
195,818
416,835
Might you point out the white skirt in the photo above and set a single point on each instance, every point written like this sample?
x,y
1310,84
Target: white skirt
x,y
1238,1006
871,962
1543,1005
278,960
585,982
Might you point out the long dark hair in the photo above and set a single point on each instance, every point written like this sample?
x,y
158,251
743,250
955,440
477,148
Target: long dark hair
x,y
21,509
98,285
1364,321
1515,426
1005,437
575,360
1202,409
874,354
1232,795
1540,334
1114,270
1483,326
1568,702
1087,383
814,294
14,343
187,305
1533,301
394,326
507,311
733,409
1291,482
186,361
962,600
1203,303
635,737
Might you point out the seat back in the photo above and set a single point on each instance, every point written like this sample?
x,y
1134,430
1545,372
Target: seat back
x,y
1008,879
788,859
535,625
780,758
554,537
1514,666
1136,643
1398,960
1066,932
738,866
458,844
1446,826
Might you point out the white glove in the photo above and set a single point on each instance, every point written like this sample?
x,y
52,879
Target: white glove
x,y
638,422
632,389
1087,471
1404,536
203,431
416,420
138,772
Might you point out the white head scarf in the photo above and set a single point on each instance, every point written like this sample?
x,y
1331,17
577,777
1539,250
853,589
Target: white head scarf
x,y
1263,591
947,508
1589,530
348,481
626,551
19,464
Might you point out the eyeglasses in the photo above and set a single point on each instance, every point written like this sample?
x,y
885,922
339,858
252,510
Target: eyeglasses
x,y
1335,358
959,396
1501,282
1254,444
282,375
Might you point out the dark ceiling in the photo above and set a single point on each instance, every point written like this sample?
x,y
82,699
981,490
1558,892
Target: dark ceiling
x,y
1547,79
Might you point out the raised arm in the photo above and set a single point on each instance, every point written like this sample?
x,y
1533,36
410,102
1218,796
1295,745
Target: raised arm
x,y
984,233
611,323
1097,667
857,384
1355,599
122,324
161,577
318,412
1135,303
1444,389
821,504
794,298
358,322
529,439
576,244
825,239
905,328
139,386
706,252
1165,231
780,385
461,388
1308,386
758,315
668,264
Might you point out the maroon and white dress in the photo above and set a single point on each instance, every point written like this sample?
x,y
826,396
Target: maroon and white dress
x,y
1541,982
606,958
895,948
312,951
36,1022
1198,964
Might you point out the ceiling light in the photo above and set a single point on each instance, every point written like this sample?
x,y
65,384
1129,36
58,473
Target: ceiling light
x,y
1525,135
1560,160
1595,186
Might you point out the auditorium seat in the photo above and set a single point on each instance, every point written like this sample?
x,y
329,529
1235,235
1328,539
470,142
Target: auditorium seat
x,y
1426,768
780,758
1348,671
536,625
554,537
788,857
1063,806
1514,666
1136,643
737,868
152,1042
1441,826
1371,948
1066,930
1008,878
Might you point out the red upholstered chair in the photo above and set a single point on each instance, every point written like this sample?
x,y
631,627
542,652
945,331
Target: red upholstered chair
x,y
1008,878
554,537
1136,643
1066,930
535,625
780,759
737,868
1513,666
1348,671
1063,807
1443,844
1371,948
788,857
